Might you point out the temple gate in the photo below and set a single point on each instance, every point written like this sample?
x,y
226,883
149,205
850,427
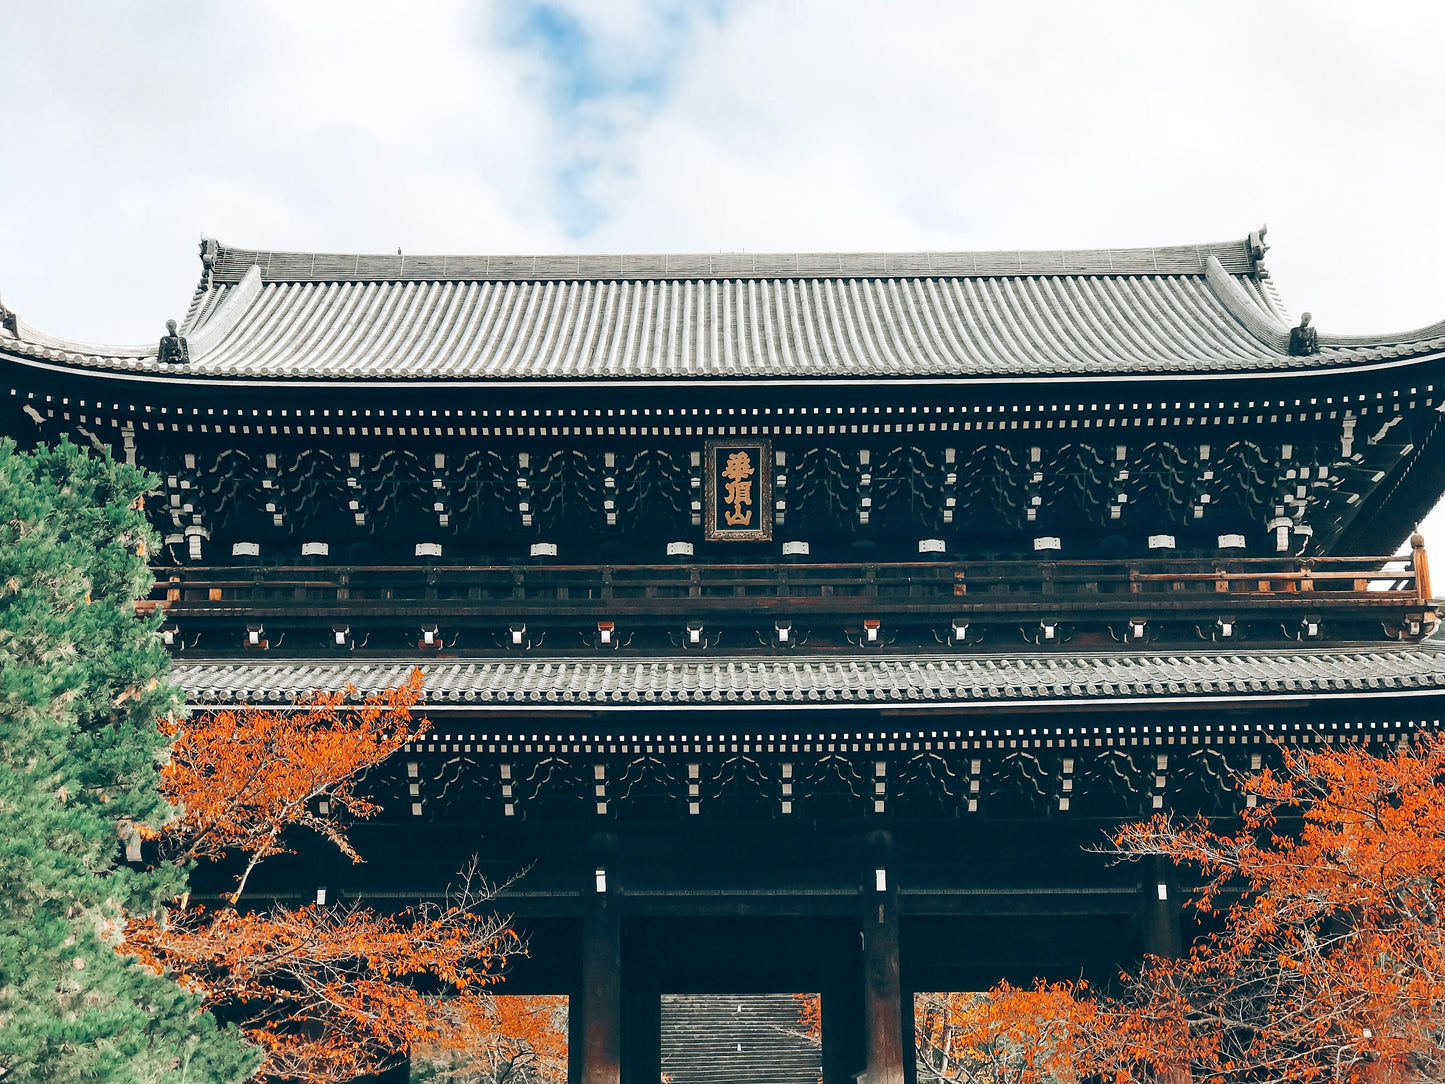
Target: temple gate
x,y
797,621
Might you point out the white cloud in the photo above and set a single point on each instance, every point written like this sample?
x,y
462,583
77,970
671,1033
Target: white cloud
x,y
318,125
878,125
660,125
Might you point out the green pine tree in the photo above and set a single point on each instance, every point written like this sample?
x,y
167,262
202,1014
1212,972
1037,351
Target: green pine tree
x,y
82,680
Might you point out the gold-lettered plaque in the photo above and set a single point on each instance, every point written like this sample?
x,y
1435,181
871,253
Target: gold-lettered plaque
x,y
738,501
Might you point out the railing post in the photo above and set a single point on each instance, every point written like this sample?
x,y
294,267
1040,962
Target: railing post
x,y
1421,565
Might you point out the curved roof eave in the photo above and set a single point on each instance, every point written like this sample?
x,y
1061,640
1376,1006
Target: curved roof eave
x,y
311,319
905,681
154,377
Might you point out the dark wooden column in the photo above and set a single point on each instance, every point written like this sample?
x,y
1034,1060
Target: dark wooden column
x,y
882,988
599,1010
1160,915
1160,910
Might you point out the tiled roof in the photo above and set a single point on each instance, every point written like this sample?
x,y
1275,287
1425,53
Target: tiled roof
x,y
1203,308
919,679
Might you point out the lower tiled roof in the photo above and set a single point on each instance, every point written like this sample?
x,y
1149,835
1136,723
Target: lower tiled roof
x,y
914,679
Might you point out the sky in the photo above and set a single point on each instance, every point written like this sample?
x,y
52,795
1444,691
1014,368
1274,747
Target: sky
x,y
706,125
716,125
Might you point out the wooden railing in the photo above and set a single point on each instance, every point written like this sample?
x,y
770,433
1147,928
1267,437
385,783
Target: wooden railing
x,y
921,585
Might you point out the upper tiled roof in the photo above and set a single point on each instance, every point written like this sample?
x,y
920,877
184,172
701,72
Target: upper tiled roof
x,y
894,680
1186,309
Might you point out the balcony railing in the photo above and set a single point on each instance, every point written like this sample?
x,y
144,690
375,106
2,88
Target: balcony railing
x,y
921,586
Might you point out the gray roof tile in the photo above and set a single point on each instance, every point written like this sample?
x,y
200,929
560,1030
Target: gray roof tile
x,y
896,679
1198,308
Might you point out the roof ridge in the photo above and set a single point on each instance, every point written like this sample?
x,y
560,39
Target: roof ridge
x,y
276,265
226,314
1419,334
1259,321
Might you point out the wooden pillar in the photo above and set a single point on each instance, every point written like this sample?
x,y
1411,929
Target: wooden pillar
x,y
599,1011
882,989
883,1015
1161,909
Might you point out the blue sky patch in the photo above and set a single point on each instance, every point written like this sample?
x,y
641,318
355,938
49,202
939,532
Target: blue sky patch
x,y
596,89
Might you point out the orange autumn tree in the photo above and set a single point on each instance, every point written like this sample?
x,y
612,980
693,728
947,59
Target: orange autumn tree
x,y
1327,964
497,1039
1006,1036
326,992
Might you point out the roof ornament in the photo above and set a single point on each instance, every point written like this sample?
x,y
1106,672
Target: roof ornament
x,y
1257,247
1303,340
174,349
210,252
9,321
